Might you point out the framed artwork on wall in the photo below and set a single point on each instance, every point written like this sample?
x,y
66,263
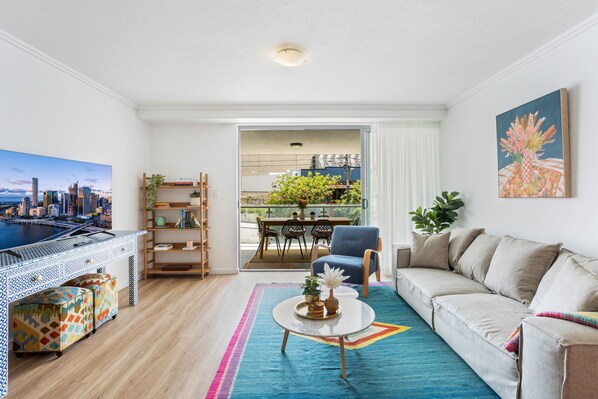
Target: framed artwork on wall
x,y
533,149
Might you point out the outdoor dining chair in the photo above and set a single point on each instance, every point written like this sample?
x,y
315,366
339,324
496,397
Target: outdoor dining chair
x,y
268,234
293,230
322,230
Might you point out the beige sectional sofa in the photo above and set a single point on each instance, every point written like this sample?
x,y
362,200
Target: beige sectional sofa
x,y
557,358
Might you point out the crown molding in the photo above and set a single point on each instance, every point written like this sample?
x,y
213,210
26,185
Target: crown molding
x,y
10,39
289,113
557,41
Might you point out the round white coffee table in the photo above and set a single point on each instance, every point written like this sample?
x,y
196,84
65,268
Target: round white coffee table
x,y
356,316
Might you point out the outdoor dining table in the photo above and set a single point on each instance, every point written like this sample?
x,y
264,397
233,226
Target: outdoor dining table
x,y
268,222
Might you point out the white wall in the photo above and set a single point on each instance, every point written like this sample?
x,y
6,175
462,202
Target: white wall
x,y
469,158
45,111
185,151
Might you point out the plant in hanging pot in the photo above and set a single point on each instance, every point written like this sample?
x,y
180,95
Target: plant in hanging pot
x,y
195,198
440,217
151,190
331,278
311,289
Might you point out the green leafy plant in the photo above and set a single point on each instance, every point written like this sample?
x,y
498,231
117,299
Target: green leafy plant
x,y
311,286
302,190
195,194
440,217
152,188
354,194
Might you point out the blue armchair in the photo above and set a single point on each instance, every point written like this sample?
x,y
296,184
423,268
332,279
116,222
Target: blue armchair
x,y
355,249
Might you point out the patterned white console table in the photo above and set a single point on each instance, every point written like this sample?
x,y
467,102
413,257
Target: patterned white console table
x,y
33,268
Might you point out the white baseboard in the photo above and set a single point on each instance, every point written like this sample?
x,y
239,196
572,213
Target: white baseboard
x,y
224,271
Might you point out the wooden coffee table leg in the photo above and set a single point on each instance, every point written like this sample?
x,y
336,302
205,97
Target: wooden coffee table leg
x,y
341,341
284,341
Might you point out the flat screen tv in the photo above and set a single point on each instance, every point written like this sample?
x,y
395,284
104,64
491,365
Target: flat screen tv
x,y
44,198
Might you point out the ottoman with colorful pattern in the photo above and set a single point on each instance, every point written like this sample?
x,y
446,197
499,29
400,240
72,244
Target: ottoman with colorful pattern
x,y
105,295
52,320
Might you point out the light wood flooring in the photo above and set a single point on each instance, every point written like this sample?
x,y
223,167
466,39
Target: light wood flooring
x,y
168,346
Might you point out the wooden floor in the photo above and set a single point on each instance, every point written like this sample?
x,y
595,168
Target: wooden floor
x,y
168,346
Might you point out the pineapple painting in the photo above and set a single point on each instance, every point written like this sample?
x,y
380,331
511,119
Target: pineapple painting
x,y
533,149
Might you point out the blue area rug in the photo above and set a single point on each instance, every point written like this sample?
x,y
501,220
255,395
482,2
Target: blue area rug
x,y
415,363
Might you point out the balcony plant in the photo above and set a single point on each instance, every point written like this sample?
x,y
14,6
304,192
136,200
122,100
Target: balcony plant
x,y
438,218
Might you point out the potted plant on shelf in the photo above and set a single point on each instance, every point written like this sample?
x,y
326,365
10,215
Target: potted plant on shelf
x,y
311,289
294,215
152,187
440,217
195,198
312,215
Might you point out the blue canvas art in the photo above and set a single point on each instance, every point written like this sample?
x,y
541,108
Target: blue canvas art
x,y
43,198
533,149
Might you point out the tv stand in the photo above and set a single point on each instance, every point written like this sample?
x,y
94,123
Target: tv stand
x,y
32,268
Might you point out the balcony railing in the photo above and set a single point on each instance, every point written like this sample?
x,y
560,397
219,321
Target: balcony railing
x,y
249,212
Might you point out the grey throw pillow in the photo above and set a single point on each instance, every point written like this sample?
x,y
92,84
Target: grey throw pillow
x,y
430,250
475,261
518,266
574,289
461,239
549,277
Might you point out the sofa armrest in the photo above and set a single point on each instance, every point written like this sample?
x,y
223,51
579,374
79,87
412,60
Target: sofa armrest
x,y
401,254
557,359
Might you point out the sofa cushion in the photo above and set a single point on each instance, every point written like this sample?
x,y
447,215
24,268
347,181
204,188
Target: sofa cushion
x,y
549,277
430,250
460,240
475,261
590,264
491,317
426,284
518,266
574,289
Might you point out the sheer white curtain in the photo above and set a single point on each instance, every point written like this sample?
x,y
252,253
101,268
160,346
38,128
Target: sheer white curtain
x,y
404,175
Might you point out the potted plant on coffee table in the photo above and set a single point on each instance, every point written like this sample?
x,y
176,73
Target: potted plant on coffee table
x,y
311,289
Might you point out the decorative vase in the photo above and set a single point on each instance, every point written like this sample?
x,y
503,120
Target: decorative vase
x,y
302,214
331,303
161,221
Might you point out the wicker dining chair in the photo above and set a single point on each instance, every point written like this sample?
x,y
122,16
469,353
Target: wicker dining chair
x,y
268,234
322,230
293,230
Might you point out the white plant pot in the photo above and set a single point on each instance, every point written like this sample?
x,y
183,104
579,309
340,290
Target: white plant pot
x,y
195,201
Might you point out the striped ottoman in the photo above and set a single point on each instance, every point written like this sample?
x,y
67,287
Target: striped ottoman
x,y
52,320
105,295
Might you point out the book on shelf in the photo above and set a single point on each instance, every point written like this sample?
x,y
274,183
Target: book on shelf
x,y
189,248
162,247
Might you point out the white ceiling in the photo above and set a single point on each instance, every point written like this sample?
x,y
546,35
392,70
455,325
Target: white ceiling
x,y
221,52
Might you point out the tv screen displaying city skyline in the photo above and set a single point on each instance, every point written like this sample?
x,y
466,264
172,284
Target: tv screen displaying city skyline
x,y
44,198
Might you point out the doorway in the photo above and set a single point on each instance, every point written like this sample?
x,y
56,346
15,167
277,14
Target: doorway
x,y
296,184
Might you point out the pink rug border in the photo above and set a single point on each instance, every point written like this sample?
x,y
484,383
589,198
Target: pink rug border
x,y
222,384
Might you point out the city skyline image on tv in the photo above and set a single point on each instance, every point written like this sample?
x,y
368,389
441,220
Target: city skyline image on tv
x,y
44,198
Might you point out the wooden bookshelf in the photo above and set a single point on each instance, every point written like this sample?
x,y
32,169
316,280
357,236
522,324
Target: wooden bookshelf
x,y
155,262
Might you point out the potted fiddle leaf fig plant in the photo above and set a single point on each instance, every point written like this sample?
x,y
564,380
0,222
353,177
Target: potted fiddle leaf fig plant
x,y
311,289
439,217
195,198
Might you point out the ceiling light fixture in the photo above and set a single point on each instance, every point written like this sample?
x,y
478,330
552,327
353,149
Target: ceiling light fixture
x,y
296,145
290,57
